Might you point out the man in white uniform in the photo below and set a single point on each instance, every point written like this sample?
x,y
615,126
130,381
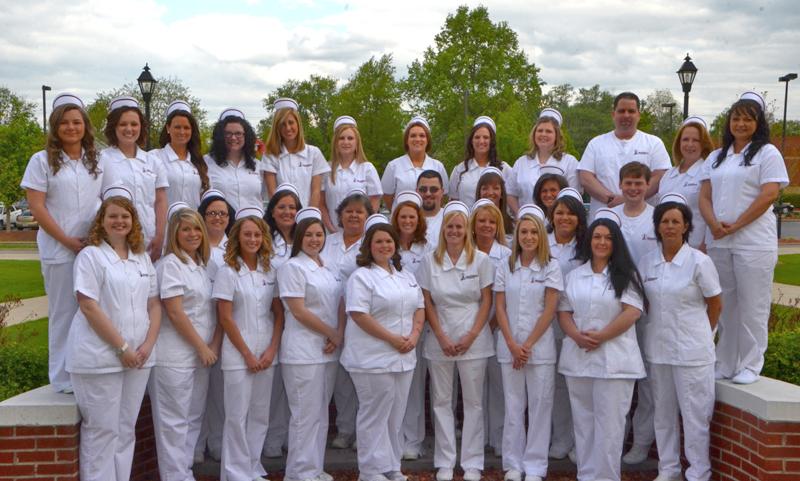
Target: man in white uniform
x,y
430,187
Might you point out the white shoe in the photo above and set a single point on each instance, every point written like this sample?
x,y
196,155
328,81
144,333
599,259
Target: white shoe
x,y
512,475
533,478
323,476
472,475
411,455
342,441
395,476
573,456
745,377
444,474
669,477
636,455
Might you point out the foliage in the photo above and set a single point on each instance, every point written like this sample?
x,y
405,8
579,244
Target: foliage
x,y
665,120
782,359
792,127
21,369
22,278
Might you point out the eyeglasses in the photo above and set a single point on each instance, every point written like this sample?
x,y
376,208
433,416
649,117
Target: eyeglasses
x,y
234,135
216,213
425,189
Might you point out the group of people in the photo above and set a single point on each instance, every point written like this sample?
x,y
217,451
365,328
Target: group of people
x,y
245,294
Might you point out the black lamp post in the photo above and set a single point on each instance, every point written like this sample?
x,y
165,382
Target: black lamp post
x,y
147,85
686,75
45,88
781,207
670,106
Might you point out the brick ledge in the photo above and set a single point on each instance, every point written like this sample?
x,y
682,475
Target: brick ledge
x,y
767,399
40,407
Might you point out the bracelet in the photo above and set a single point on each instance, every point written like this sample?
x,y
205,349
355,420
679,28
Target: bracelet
x,y
121,350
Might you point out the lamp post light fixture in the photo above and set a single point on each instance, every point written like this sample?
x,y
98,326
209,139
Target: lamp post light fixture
x,y
45,88
686,75
147,85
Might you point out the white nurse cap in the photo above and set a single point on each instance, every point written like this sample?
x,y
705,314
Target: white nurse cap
x,y
249,212
418,120
231,112
673,197
609,214
530,209
551,169
570,192
491,170
285,103
374,220
211,193
117,191
455,206
175,207
755,97
552,113
66,98
344,120
307,213
356,191
288,188
485,120
178,105
480,203
123,101
407,196
695,120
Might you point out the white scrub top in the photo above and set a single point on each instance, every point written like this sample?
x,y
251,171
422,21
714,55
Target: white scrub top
x,y
321,289
184,179
734,187
72,199
678,331
525,173
241,186
525,289
434,224
456,292
122,289
639,232
412,258
688,185
141,175
281,251
564,254
464,180
338,257
606,154
591,299
357,176
251,293
216,258
400,174
391,299
297,169
191,282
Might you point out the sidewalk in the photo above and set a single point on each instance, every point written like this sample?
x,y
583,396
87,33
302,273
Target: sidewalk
x,y
30,309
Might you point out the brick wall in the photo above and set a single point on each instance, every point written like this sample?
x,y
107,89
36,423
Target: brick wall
x,y
39,452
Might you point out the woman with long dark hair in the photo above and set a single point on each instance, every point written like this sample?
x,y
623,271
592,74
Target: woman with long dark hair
x,y
480,152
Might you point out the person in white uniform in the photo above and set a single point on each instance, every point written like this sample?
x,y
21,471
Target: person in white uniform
x,y
600,356
480,152
289,160
250,313
350,169
456,280
315,319
188,343
685,302
401,173
187,172
232,166
125,163
526,289
112,337
740,181
689,150
605,154
430,187
492,186
386,306
547,148
551,182
62,184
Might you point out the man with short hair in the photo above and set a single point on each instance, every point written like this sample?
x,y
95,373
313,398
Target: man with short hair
x,y
431,188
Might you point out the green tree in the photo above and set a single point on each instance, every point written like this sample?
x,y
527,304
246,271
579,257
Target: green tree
x,y
665,121
587,117
559,97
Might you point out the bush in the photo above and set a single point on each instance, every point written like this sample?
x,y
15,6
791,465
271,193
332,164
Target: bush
x,y
22,368
782,360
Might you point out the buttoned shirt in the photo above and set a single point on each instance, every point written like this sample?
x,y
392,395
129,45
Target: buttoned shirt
x,y
183,177
242,187
297,169
400,174
358,175
464,180
526,173
688,185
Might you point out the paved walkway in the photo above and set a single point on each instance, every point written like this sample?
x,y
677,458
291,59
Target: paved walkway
x,y
30,310
19,255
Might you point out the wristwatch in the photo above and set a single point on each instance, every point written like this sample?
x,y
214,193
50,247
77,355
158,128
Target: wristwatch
x,y
121,350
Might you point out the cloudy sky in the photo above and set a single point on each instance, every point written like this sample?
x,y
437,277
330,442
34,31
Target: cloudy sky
x,y
233,53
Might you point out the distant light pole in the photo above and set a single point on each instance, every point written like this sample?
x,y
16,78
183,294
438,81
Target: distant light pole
x,y
686,75
45,88
670,106
147,85
786,78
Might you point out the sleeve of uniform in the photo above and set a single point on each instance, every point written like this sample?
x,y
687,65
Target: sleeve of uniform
x,y
359,291
319,164
500,277
170,280
705,169
424,271
455,179
571,172
291,281
773,168
632,298
552,276
35,176
420,297
224,284
151,273
388,181
485,272
707,277
659,159
445,177
269,163
373,180
587,162
161,171
88,274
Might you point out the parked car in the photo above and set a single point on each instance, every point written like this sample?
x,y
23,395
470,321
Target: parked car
x,y
25,220
14,214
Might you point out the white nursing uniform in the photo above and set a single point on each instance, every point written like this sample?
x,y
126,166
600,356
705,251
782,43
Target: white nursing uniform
x,y
434,224
184,179
639,232
464,180
400,174
527,170
72,198
688,185
359,175
297,169
241,186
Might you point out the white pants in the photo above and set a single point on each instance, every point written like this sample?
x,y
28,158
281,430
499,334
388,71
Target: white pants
x,y
562,437
61,308
381,406
471,374
688,391
531,387
746,280
413,429
346,402
109,405
599,407
493,404
247,397
211,429
178,397
309,388
278,432
642,420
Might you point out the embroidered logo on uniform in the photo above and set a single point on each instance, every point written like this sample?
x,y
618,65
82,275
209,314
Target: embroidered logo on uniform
x,y
416,261
305,165
413,284
533,279
646,237
640,152
648,279
464,277
690,184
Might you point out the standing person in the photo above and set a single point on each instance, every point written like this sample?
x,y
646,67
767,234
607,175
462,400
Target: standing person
x,y
480,152
112,336
456,281
689,150
600,356
312,295
740,181
188,343
526,294
187,173
350,169
62,184
550,183
232,166
401,173
547,148
289,159
250,313
125,163
492,186
430,187
388,312
599,167
684,292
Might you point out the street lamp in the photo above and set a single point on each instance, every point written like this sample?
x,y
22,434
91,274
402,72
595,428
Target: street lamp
x,y
686,75
786,78
147,85
45,88
670,106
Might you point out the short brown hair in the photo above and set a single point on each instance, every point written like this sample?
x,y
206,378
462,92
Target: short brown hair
x,y
636,170
364,257
427,136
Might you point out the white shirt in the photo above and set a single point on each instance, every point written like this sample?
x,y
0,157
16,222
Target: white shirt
x,y
456,292
361,175
564,254
734,187
434,226
678,331
400,174
72,199
525,173
412,258
184,179
141,175
464,180
688,185
251,293
297,169
591,299
606,154
281,251
525,291
241,186
190,282
122,289
639,232
338,257
216,258
391,299
321,290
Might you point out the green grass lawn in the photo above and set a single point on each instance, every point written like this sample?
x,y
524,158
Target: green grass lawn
x,y
21,278
788,269
31,334
10,246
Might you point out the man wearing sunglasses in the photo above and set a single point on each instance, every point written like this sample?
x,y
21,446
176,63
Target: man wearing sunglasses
x,y
431,188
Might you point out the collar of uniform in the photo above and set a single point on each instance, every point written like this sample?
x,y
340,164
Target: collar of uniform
x,y
534,265
140,154
585,269
302,153
351,167
497,250
410,165
112,256
244,270
551,238
381,272
191,264
65,157
692,172
308,262
741,152
277,240
171,155
418,248
679,258
337,240
625,141
460,265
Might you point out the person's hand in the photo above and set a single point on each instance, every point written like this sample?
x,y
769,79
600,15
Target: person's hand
x,y
718,230
129,359
207,356
519,355
154,248
585,342
143,353
267,358
448,347
463,344
252,363
595,339
75,244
